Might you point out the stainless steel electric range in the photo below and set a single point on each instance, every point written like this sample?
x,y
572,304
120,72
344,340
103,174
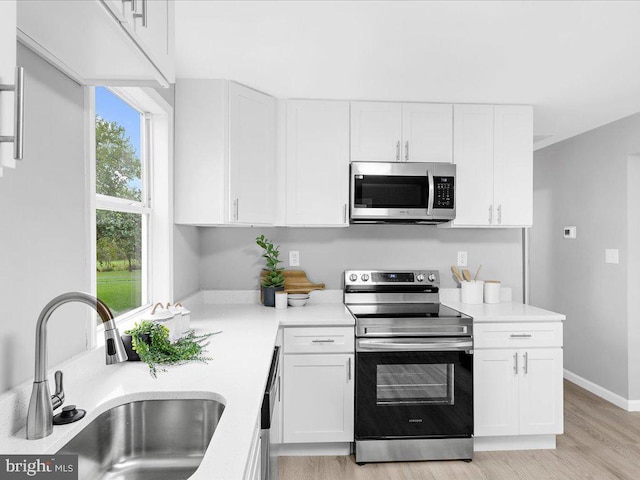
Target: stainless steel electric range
x,y
414,368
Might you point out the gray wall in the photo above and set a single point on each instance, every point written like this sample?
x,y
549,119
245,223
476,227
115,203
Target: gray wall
x,y
186,261
44,224
186,241
582,182
231,259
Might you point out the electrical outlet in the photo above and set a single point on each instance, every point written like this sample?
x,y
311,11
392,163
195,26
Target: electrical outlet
x,y
462,259
611,255
294,258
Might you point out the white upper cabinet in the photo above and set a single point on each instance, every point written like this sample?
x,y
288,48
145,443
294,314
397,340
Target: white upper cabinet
x,y
401,132
376,131
513,165
427,132
251,155
473,156
103,42
225,154
7,77
493,152
317,142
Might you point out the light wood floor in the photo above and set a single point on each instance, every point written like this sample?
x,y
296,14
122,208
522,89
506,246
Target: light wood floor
x,y
601,442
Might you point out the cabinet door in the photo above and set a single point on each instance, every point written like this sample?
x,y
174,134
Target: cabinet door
x,y
7,76
317,163
541,391
376,131
252,160
473,156
89,42
318,398
156,36
495,392
427,132
513,165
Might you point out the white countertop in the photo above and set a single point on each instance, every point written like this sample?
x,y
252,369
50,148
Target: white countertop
x,y
236,376
505,312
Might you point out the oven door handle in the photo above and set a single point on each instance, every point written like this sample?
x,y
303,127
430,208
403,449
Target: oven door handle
x,y
404,346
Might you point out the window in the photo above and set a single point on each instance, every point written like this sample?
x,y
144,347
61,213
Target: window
x,y
122,203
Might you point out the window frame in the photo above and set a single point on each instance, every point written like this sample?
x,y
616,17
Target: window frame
x,y
157,176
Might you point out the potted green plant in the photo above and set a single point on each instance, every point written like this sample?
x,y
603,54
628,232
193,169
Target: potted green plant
x,y
273,280
149,341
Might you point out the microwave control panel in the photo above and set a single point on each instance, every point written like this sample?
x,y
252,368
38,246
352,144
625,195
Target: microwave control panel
x,y
444,192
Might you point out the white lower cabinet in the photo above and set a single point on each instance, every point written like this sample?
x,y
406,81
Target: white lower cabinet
x,y
517,391
318,387
318,398
252,470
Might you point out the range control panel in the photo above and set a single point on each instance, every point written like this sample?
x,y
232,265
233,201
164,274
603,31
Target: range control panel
x,y
444,192
377,277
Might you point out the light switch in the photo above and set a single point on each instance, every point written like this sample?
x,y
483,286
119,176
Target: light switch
x,y
611,255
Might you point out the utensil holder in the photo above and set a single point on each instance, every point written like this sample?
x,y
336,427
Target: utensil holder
x,y
472,292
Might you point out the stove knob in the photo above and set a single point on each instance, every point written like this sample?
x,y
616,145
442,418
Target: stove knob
x,y
364,277
420,277
353,277
431,277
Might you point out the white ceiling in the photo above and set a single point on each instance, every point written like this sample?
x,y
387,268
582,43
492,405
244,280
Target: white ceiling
x,y
577,62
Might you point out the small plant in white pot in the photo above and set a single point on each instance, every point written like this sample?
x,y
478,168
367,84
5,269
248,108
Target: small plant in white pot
x,y
273,280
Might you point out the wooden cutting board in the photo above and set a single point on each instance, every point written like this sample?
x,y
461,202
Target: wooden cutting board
x,y
296,281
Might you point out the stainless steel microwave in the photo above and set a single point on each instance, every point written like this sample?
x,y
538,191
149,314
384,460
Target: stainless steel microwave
x,y
397,192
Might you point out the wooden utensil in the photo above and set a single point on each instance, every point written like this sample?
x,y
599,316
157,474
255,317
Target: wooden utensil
x,y
456,273
466,274
477,272
296,281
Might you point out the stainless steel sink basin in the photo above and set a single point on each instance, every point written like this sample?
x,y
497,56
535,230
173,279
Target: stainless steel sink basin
x,y
146,440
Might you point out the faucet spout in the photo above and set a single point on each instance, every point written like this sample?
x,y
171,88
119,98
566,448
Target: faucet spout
x,y
40,414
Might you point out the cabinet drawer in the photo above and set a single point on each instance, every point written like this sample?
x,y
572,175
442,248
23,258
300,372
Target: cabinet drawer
x,y
318,339
517,335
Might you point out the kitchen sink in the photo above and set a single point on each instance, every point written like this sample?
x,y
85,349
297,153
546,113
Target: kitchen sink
x,y
146,440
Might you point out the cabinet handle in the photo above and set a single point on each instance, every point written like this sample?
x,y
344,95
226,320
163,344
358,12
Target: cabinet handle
x,y
499,214
349,368
490,214
520,335
18,114
236,208
406,151
515,363
344,214
142,15
279,389
398,151
526,363
326,340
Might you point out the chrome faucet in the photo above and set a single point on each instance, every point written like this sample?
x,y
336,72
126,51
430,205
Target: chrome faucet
x,y
42,404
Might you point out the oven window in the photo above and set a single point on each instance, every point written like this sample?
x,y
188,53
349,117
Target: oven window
x,y
386,191
410,384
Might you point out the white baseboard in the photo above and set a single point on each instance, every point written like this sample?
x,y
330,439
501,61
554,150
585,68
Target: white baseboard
x,y
608,395
519,442
313,449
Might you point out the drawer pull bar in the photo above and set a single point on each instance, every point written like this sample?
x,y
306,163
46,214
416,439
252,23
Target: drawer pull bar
x,y
520,335
327,340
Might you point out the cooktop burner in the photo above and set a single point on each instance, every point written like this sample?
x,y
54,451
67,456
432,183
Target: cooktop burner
x,y
404,310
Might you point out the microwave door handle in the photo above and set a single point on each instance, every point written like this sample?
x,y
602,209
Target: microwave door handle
x,y
431,193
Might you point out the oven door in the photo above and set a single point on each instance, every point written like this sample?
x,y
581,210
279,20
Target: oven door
x,y
414,387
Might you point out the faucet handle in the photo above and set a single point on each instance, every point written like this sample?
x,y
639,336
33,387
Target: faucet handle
x,y
57,399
